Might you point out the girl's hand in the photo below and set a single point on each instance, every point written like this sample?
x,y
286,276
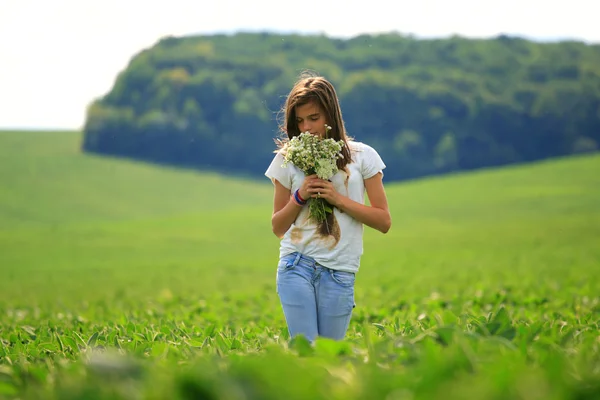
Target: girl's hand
x,y
320,188
304,188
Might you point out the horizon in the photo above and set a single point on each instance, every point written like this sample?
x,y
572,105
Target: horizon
x,y
42,55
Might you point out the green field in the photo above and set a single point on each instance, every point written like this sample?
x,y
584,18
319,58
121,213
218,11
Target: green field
x,y
120,280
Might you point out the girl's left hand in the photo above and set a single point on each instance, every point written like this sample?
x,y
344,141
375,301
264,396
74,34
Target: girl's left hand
x,y
325,190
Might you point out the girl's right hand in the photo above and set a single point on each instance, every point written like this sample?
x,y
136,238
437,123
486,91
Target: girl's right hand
x,y
306,184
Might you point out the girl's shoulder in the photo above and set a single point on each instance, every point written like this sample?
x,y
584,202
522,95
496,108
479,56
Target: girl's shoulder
x,y
366,158
356,147
360,148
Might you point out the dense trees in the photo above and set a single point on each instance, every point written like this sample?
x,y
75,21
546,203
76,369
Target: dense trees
x,y
428,106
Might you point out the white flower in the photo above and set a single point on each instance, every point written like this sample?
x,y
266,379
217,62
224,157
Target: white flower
x,y
312,154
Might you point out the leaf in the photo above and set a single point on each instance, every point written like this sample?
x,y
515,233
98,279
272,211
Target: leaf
x,y
330,347
70,342
159,349
196,343
445,334
30,330
48,347
302,345
60,343
8,389
209,330
38,373
508,333
78,336
449,318
236,344
501,325
92,340
6,373
502,317
492,327
222,342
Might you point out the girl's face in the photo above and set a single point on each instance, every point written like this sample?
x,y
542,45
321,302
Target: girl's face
x,y
310,117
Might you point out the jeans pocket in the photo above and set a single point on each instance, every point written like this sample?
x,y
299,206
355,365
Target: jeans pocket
x,y
286,262
343,278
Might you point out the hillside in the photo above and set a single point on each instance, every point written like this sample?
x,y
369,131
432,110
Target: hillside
x,y
428,106
47,180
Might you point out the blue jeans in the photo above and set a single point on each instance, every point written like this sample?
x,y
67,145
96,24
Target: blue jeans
x,y
316,301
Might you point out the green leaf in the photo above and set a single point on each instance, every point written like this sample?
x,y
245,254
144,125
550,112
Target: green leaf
x,y
78,336
445,334
48,346
222,342
329,347
70,342
30,330
302,345
159,349
502,317
447,317
210,330
92,340
139,337
8,389
236,344
196,343
6,374
60,343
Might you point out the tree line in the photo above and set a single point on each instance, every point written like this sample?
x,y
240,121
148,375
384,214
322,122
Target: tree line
x,y
429,106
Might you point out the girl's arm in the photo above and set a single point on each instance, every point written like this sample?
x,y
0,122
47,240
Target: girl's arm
x,y
285,210
376,216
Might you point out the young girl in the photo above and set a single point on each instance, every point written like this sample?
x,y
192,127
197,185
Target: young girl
x,y
318,263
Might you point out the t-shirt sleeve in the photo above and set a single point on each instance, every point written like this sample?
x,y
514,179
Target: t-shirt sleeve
x,y
371,162
281,174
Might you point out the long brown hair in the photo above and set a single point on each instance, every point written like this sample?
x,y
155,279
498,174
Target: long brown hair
x,y
313,88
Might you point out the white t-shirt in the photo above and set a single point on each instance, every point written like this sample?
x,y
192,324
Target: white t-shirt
x,y
302,236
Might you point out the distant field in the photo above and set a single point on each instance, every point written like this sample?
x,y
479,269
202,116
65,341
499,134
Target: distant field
x,y
487,286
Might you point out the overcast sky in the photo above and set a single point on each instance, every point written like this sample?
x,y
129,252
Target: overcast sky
x,y
58,55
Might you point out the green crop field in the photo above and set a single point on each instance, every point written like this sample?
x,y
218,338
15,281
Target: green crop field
x,y
121,280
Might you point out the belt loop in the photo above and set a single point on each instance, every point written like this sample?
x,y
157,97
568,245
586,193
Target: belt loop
x,y
297,259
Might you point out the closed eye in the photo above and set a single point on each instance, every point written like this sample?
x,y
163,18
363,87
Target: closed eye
x,y
312,117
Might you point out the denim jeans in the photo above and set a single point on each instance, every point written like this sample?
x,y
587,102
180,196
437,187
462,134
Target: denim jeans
x,y
316,301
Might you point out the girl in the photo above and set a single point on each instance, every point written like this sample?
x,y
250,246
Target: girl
x,y
318,263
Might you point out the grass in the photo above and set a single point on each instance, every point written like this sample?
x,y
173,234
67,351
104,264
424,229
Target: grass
x,y
125,280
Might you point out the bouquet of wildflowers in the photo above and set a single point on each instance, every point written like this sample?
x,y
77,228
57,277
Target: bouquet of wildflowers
x,y
313,155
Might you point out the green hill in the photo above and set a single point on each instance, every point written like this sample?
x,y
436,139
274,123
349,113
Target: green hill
x,y
429,106
487,281
47,180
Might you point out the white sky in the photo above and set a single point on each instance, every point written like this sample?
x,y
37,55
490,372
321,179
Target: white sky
x,y
58,55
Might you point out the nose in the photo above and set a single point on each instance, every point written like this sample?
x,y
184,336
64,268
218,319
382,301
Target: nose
x,y
305,126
